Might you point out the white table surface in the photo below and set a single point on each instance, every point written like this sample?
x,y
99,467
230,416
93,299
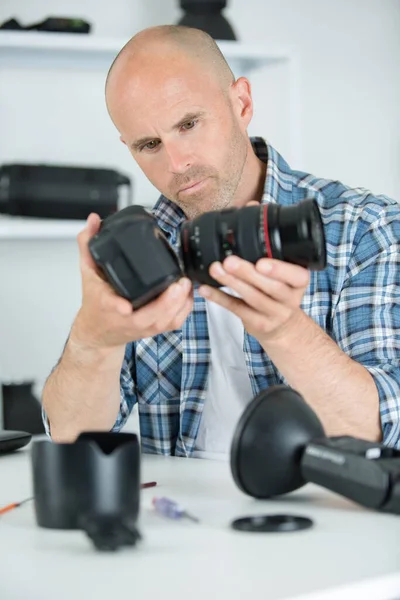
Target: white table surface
x,y
349,553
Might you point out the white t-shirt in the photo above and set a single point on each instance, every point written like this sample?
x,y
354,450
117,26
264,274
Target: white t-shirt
x,y
229,389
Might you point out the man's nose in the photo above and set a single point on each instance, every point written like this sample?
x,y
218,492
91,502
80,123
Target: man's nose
x,y
179,159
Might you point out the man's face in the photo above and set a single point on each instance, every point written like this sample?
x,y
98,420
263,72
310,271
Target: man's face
x,y
185,135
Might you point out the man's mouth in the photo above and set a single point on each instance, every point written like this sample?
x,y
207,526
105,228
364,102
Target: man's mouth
x,y
192,187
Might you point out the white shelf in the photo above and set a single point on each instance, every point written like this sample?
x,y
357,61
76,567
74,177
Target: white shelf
x,y
17,228
31,228
27,47
33,49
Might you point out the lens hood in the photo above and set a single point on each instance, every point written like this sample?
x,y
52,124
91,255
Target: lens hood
x,y
91,484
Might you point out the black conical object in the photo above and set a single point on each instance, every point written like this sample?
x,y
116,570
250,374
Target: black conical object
x,y
206,15
269,440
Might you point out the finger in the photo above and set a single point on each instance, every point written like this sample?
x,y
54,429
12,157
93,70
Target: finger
x,y
253,203
293,275
182,314
250,294
112,302
231,303
92,227
246,281
163,309
259,325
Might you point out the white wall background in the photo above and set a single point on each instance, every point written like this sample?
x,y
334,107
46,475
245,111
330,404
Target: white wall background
x,y
348,127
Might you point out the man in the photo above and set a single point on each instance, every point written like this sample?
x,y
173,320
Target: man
x,y
195,356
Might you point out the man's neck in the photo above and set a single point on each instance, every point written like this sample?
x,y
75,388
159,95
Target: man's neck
x,y
252,182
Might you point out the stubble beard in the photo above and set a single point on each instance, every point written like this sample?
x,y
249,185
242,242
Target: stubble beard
x,y
201,203
224,195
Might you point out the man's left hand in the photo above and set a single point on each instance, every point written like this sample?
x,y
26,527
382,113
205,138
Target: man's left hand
x,y
270,293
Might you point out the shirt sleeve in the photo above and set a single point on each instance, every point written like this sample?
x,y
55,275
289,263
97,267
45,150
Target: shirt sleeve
x,y
366,320
46,422
128,396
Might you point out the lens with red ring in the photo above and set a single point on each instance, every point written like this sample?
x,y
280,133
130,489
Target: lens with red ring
x,y
290,233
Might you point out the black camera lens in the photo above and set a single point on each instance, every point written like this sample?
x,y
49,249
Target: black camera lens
x,y
137,260
295,234
290,233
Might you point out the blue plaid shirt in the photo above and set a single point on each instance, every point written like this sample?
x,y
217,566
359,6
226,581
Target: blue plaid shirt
x,y
356,300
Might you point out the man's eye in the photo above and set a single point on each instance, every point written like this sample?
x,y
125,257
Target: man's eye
x,y
189,124
151,145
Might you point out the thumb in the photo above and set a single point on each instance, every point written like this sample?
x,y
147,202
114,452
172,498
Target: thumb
x,y
252,203
92,227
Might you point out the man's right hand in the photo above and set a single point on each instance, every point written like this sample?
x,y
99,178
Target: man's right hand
x,y
106,320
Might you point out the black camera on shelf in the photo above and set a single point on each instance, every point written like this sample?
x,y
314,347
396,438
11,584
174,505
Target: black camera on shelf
x,y
138,262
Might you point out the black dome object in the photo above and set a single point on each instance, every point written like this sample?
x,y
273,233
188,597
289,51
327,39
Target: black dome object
x,y
206,15
269,440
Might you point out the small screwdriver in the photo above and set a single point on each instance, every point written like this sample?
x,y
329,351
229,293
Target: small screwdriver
x,y
171,509
13,505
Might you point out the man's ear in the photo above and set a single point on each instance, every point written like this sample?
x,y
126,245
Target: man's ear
x,y
242,100
123,141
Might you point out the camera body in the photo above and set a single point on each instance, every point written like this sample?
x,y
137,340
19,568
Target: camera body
x,y
135,257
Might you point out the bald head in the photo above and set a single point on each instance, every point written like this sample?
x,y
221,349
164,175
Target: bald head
x,y
177,107
169,45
